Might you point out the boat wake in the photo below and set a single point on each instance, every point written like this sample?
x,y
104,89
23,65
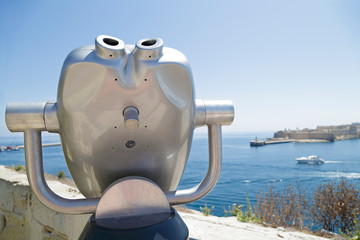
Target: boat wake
x,y
333,161
339,174
273,180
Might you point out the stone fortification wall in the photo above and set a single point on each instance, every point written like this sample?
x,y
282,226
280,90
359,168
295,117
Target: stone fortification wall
x,y
280,134
304,135
23,216
329,133
322,135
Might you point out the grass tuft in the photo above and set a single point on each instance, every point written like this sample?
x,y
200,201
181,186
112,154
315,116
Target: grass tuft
x,y
61,175
19,167
207,211
242,215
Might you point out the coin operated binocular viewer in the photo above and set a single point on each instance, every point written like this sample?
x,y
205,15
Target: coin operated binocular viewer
x,y
126,116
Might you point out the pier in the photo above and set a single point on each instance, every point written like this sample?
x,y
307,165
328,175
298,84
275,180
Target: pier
x,y
258,143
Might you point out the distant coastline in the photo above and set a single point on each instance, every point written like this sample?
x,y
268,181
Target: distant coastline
x,y
320,134
16,148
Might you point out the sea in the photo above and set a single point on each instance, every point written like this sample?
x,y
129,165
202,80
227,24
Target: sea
x,y
246,171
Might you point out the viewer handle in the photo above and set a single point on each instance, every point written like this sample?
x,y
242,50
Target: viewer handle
x,y
35,174
208,183
213,114
39,116
32,118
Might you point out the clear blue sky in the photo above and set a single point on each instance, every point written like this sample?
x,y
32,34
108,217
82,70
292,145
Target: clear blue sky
x,y
284,64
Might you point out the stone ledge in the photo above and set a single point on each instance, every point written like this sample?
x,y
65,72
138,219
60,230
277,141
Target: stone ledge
x,y
23,216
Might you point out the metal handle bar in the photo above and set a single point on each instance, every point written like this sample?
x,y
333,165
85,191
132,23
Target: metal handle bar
x,y
208,183
32,118
35,174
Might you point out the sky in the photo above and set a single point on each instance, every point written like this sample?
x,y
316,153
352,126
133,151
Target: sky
x,y
284,64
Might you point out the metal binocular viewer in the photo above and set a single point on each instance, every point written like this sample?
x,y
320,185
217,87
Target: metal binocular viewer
x,y
126,116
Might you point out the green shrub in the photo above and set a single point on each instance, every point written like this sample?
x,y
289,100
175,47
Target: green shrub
x,y
241,215
234,210
249,215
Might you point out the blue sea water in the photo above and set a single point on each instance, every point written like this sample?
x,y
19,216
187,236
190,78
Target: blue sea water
x,y
245,169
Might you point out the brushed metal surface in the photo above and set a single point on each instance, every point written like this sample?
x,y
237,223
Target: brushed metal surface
x,y
92,95
212,176
213,112
22,116
39,116
50,117
35,174
109,47
132,201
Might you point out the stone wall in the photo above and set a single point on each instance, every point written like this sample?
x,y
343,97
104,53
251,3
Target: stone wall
x,y
322,135
23,216
329,133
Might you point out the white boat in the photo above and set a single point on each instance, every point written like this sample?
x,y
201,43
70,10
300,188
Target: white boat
x,y
310,160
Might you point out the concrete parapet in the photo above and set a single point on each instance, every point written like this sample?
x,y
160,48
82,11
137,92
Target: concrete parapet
x,y
23,216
